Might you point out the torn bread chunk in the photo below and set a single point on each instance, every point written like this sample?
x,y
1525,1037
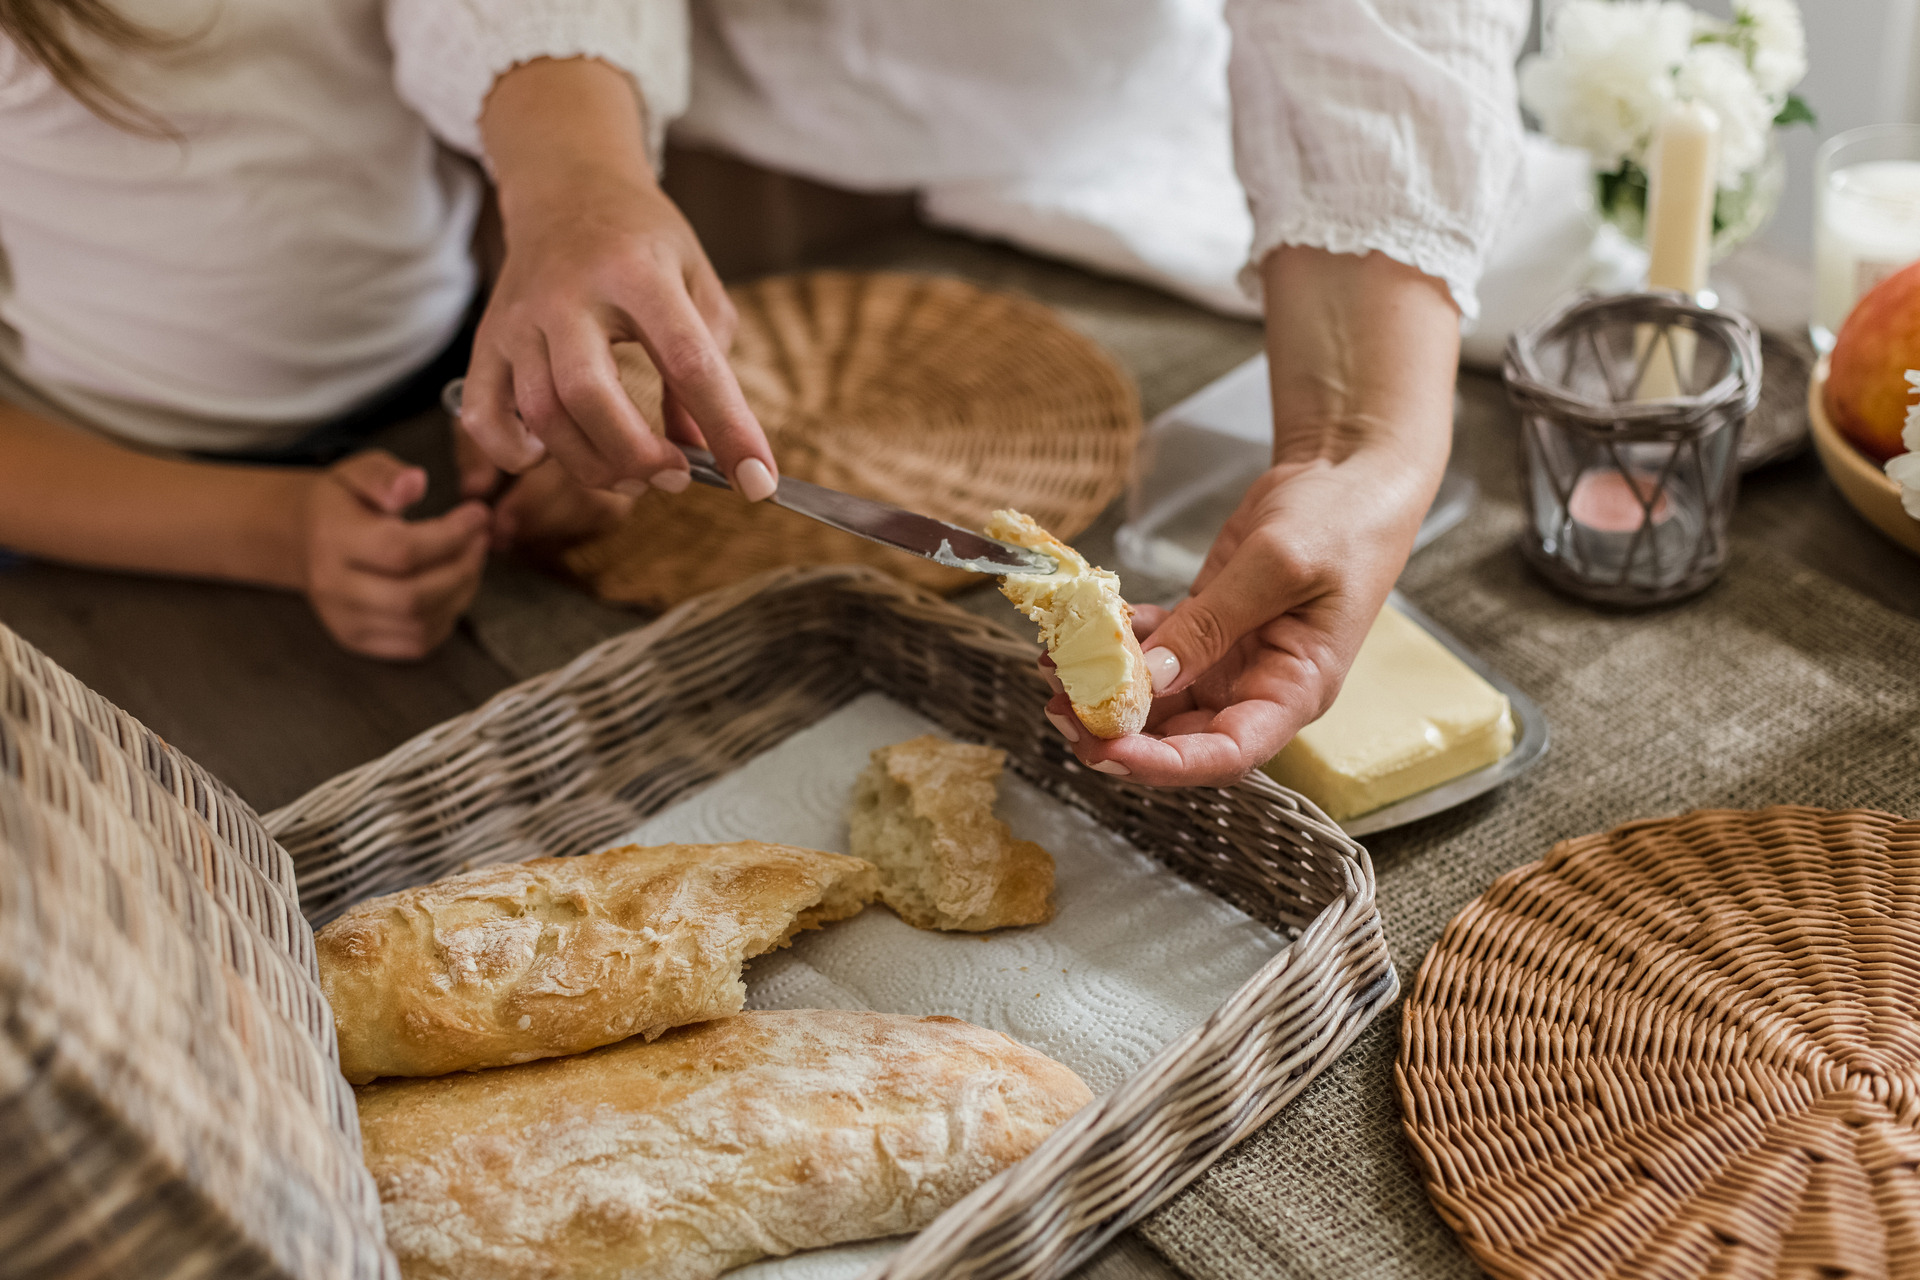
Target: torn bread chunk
x,y
1086,626
680,1159
558,955
923,813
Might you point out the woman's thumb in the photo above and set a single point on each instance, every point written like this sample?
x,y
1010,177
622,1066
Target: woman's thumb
x,y
1203,628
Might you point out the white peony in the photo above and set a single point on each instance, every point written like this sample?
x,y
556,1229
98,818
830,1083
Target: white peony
x,y
1607,73
1778,40
1717,76
1905,469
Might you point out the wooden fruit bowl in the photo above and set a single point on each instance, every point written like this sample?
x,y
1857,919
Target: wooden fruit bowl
x,y
1860,480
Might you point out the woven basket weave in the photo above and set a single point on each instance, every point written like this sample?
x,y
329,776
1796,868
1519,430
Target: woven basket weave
x,y
170,1096
1687,1047
569,761
924,391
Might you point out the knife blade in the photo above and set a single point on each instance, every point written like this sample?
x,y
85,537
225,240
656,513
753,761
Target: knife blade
x,y
881,522
890,526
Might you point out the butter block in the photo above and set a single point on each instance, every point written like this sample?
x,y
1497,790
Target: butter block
x,y
1410,716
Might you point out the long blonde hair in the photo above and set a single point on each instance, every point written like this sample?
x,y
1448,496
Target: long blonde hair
x,y
44,30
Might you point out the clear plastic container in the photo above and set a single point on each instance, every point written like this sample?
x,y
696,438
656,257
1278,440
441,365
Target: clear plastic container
x,y
1197,459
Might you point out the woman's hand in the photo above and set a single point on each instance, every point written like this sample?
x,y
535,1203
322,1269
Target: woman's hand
x,y
1362,352
1278,611
596,254
544,510
382,585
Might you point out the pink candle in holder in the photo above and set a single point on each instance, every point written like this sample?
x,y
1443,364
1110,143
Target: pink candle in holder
x,y
1606,501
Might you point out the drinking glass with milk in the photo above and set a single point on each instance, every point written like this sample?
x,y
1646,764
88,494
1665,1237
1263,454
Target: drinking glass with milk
x,y
1866,219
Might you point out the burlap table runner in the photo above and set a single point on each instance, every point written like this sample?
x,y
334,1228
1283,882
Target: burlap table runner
x,y
1778,686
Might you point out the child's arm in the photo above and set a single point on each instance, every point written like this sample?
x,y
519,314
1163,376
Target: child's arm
x,y
383,586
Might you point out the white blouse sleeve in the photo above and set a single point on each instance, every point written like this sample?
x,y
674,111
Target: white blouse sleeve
x,y
1387,125
447,53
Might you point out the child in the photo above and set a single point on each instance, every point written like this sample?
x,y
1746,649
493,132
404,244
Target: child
x,y
233,240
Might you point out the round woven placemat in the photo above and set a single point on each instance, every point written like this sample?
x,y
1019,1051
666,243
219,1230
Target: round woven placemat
x,y
928,392
1687,1047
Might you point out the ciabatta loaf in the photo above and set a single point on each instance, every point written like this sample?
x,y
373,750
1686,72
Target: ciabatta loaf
x,y
532,959
1086,626
923,813
716,1144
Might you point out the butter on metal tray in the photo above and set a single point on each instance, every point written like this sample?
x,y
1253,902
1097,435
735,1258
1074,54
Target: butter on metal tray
x,y
1410,716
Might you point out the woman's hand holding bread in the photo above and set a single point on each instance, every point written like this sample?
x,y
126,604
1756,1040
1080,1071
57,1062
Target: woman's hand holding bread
x,y
596,254
1363,352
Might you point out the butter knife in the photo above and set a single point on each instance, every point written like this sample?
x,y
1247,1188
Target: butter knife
x,y
881,522
888,525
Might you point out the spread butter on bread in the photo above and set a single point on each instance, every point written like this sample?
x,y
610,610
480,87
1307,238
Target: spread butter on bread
x,y
1086,627
533,959
923,813
748,1136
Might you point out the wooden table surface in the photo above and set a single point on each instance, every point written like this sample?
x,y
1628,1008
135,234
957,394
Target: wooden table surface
x,y
247,683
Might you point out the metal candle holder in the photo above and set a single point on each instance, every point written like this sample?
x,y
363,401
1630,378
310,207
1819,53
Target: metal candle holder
x,y
1631,409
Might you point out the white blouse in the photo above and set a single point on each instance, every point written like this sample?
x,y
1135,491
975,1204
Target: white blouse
x,y
302,242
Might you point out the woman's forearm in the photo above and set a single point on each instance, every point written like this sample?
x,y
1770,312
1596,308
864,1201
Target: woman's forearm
x,y
1362,353
66,495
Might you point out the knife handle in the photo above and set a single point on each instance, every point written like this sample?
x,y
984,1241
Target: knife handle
x,y
703,468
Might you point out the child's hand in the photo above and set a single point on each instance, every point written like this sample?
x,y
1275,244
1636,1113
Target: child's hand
x,y
545,509
382,585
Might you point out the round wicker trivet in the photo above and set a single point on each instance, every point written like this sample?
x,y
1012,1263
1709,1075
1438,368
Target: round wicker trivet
x,y
927,392
1687,1047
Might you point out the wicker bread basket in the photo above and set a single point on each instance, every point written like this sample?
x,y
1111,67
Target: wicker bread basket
x,y
567,762
924,391
170,1095
1685,1048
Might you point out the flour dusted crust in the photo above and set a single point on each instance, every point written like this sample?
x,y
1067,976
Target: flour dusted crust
x,y
533,959
712,1146
1087,629
923,813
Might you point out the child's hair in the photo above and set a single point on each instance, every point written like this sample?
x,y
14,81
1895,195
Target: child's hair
x,y
45,31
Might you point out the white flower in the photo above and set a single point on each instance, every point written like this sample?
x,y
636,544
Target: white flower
x,y
1905,469
1778,43
1716,76
1607,74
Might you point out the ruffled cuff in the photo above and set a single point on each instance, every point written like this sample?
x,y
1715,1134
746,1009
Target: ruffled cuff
x,y
448,53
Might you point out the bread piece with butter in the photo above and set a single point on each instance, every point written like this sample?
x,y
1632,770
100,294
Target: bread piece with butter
x,y
1410,716
534,959
923,813
757,1134
1086,626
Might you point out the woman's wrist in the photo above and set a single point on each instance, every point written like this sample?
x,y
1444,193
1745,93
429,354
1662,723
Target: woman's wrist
x,y
554,128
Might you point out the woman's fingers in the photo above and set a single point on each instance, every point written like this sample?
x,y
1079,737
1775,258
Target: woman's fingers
x,y
693,366
587,387
400,548
488,414
1216,749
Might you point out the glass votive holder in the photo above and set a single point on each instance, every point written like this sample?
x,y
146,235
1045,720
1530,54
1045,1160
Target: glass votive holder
x,y
1866,217
1631,407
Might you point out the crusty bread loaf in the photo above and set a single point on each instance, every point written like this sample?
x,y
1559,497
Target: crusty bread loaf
x,y
532,959
1086,626
923,813
716,1144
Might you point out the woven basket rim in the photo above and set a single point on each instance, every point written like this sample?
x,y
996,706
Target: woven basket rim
x,y
1196,1097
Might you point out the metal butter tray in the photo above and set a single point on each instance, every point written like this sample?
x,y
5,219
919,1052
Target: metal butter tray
x,y
1529,744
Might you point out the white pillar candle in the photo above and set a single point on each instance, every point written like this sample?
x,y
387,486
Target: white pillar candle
x,y
1680,196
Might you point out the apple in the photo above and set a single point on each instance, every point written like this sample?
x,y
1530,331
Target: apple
x,y
1867,395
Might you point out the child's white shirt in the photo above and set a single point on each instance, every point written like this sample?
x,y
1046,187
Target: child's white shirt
x,y
303,242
